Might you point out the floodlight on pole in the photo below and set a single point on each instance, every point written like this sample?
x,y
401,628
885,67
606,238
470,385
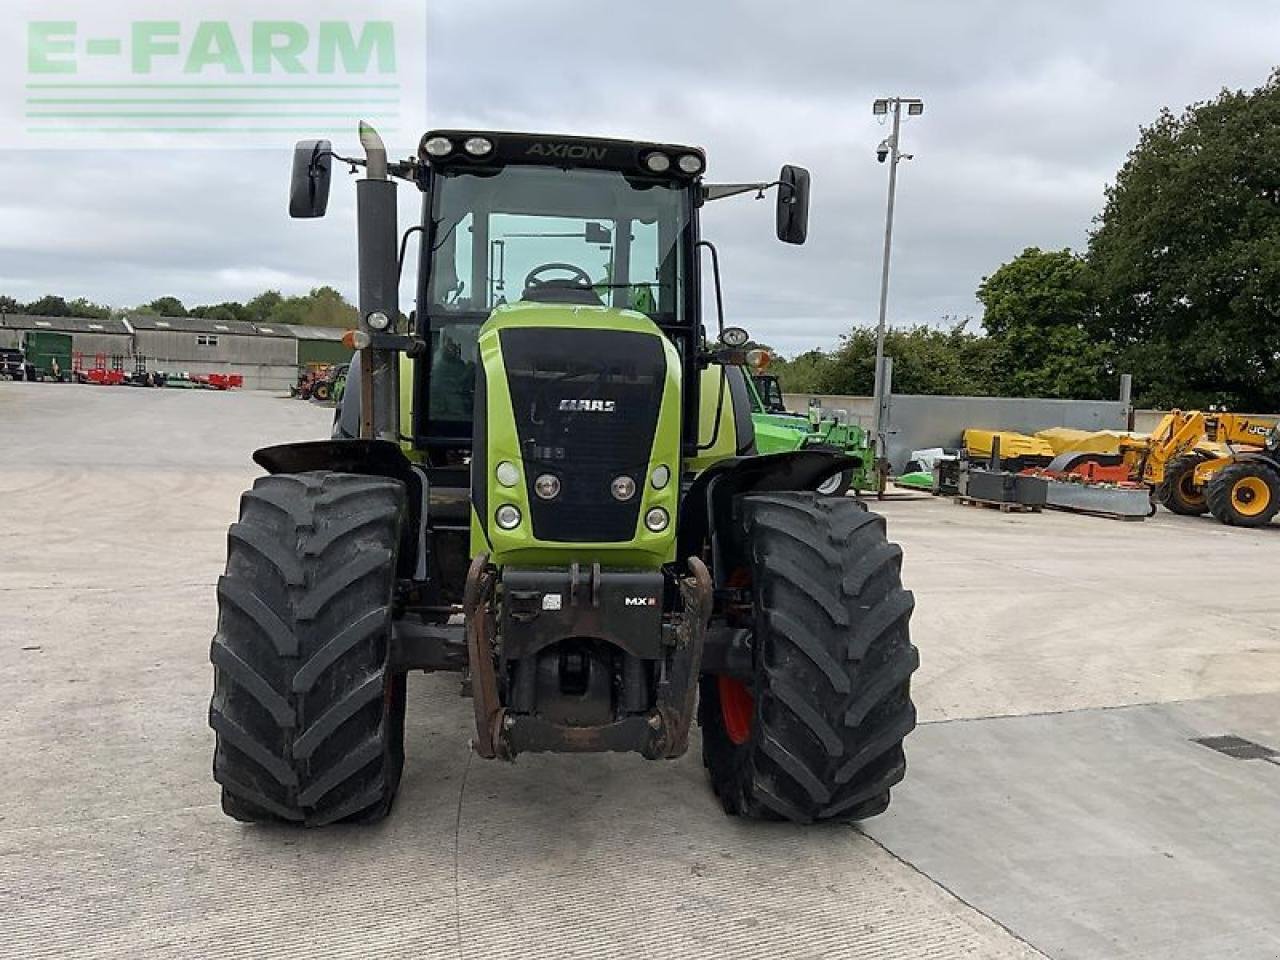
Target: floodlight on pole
x,y
888,150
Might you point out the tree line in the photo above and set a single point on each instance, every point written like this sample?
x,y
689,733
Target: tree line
x,y
1179,285
322,307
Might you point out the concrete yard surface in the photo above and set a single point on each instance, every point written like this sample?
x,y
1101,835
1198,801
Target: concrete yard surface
x,y
1056,803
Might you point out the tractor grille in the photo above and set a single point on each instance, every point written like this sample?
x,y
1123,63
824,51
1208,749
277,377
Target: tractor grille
x,y
586,405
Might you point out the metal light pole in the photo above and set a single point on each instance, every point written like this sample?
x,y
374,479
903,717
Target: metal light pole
x,y
888,150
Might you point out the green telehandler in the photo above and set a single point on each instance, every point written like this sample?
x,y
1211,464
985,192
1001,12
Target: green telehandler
x,y
779,430
536,484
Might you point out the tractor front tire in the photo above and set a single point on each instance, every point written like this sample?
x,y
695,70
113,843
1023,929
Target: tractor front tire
x,y
309,719
817,733
1245,494
1177,492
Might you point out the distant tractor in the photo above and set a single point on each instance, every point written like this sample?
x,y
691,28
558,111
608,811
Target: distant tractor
x,y
548,479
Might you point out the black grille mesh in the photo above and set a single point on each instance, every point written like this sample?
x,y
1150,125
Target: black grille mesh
x,y
586,405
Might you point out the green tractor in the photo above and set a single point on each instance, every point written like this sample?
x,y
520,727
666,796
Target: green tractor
x,y
550,483
778,430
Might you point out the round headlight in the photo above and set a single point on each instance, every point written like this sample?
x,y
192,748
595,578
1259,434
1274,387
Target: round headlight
x,y
478,146
690,163
622,488
378,321
438,146
656,520
507,517
658,162
547,486
734,337
508,473
660,477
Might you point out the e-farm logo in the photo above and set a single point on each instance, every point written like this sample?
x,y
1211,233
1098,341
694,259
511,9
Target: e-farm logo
x,y
216,72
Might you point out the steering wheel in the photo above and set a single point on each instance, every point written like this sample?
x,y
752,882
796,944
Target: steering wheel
x,y
581,279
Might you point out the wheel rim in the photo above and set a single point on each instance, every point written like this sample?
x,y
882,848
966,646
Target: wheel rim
x,y
1251,496
1187,489
737,707
831,484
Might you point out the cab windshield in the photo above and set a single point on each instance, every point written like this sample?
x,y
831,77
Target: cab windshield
x,y
525,233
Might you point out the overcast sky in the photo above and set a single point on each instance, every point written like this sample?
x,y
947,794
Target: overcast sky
x,y
1031,108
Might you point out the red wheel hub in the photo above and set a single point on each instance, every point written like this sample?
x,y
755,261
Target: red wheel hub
x,y
737,708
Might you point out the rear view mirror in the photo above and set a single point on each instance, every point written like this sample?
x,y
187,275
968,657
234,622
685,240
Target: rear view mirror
x,y
312,171
793,204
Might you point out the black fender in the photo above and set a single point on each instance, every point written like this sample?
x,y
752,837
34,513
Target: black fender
x,y
374,458
707,512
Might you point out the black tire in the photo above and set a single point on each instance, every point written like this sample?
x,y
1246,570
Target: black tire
x,y
1245,494
309,720
830,700
1177,493
321,392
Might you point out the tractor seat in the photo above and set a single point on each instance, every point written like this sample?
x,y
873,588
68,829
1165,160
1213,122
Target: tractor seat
x,y
562,291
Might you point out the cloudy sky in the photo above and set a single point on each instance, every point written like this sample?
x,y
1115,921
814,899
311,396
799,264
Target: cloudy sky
x,y
1031,107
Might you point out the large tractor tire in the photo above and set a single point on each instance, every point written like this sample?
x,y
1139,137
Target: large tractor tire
x,y
1245,494
1177,492
817,733
309,719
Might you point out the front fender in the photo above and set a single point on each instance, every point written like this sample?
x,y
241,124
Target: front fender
x,y
375,458
706,515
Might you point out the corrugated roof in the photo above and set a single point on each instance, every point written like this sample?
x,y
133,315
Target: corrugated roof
x,y
22,321
192,325
314,333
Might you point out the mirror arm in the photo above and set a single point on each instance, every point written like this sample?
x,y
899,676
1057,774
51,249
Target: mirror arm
x,y
719,191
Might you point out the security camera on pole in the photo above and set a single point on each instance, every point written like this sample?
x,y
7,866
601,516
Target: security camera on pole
x,y
888,150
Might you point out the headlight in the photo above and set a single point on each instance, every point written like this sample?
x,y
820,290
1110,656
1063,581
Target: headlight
x,y
658,162
656,520
507,517
478,146
438,147
547,486
691,163
378,321
622,488
508,473
660,477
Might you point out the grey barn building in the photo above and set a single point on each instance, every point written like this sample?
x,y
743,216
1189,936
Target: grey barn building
x,y
268,356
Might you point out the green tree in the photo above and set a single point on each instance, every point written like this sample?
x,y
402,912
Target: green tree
x,y
1040,309
49,306
1187,254
164,307
228,310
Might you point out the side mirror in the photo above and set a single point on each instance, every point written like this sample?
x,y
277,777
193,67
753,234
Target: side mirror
x,y
793,204
312,173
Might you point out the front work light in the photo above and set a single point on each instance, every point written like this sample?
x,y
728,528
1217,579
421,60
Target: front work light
x,y
690,163
622,488
378,321
657,162
438,147
507,517
478,146
547,486
656,520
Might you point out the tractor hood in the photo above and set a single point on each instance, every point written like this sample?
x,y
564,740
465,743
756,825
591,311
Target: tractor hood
x,y
585,399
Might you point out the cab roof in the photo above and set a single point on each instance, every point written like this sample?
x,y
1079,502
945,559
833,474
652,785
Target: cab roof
x,y
557,150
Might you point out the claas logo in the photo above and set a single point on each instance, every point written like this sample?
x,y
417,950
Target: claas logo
x,y
587,406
